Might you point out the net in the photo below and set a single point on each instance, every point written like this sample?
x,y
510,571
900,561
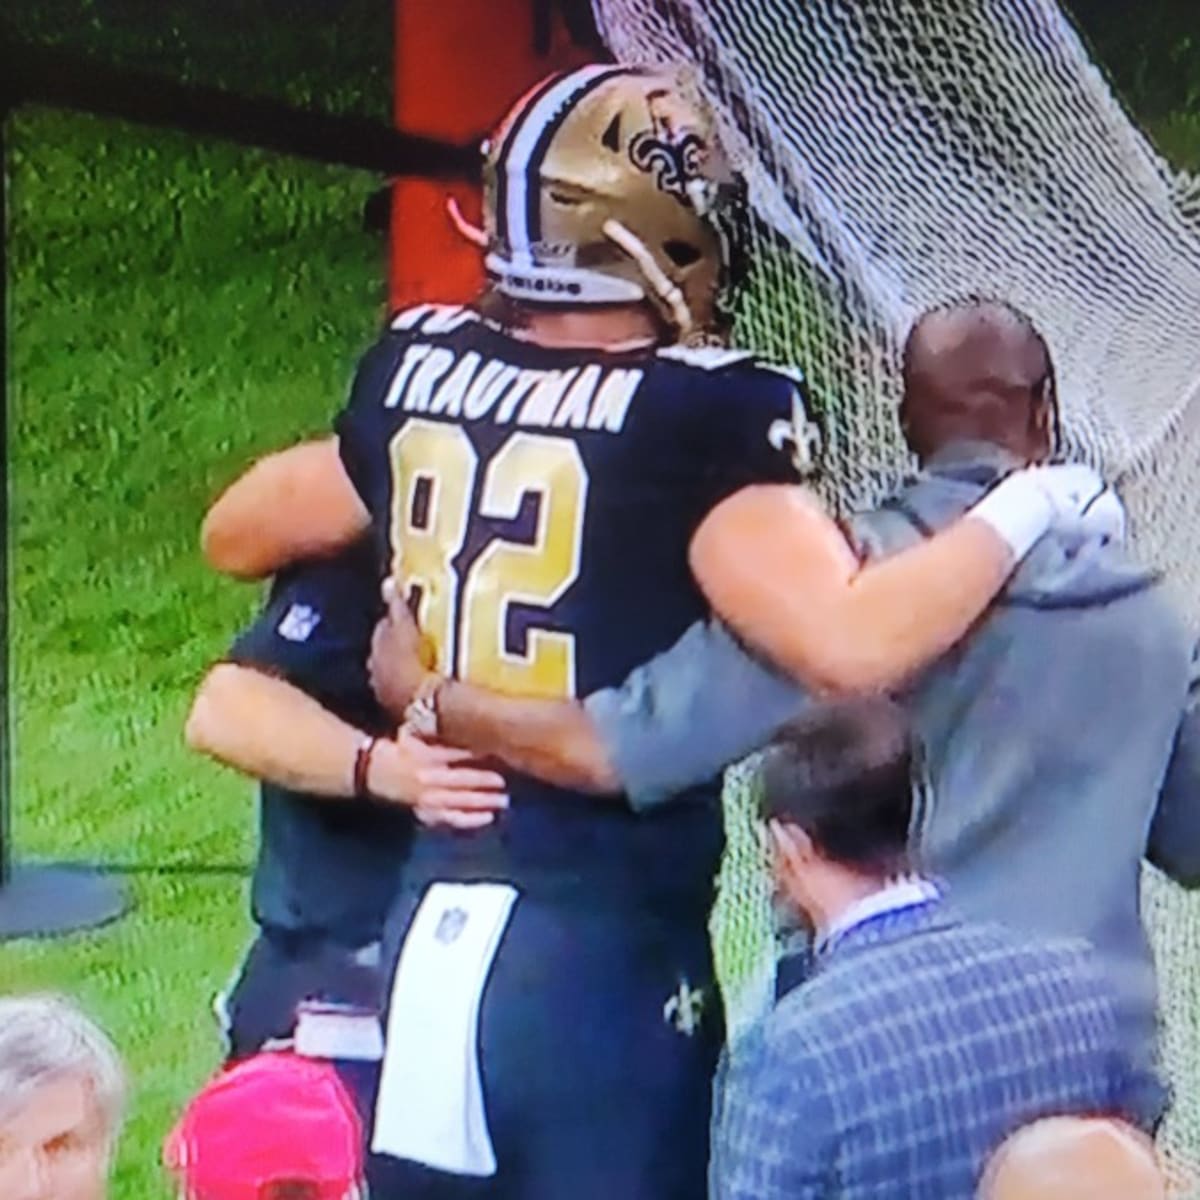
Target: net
x,y
900,153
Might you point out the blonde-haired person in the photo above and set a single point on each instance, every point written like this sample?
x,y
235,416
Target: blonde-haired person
x,y
62,1098
1074,1158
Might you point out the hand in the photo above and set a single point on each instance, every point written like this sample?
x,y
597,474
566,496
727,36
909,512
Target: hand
x,y
1084,505
395,663
438,782
1104,518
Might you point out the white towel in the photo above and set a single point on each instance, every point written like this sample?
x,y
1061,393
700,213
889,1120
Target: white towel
x,y
430,1107
337,1031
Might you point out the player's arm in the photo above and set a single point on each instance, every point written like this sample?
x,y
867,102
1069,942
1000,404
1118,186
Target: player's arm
x,y
1174,843
306,502
552,740
673,722
267,728
295,504
777,568
689,712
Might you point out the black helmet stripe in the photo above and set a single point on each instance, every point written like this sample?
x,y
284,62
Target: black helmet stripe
x,y
533,199
506,147
518,206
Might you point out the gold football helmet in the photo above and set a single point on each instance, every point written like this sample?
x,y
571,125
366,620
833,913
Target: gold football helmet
x,y
608,185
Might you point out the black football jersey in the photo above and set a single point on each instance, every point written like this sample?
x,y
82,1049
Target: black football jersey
x,y
324,869
537,505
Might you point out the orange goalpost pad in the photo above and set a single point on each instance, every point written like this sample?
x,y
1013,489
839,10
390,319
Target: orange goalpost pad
x,y
459,65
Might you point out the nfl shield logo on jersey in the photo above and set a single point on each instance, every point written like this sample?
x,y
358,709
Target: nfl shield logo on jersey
x,y
298,623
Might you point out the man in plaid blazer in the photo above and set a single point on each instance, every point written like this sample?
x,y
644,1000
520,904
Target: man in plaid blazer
x,y
919,1042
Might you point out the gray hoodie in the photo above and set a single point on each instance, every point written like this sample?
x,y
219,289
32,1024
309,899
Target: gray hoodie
x,y
1047,732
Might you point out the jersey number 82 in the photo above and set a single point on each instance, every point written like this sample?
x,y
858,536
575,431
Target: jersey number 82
x,y
464,614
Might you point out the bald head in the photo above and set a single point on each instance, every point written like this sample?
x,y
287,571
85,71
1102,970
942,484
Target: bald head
x,y
1074,1158
978,370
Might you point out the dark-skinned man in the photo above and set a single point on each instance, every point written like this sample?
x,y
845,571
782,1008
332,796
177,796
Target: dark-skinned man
x,y
1059,736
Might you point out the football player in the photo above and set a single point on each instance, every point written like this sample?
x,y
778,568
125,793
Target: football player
x,y
291,705
561,482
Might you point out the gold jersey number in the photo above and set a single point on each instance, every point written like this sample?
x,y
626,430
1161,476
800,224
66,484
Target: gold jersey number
x,y
434,467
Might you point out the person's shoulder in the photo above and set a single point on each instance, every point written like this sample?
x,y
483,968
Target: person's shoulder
x,y
797,1029
918,958
705,358
844,995
722,365
1067,956
419,342
994,938
739,403
423,330
431,320
1028,960
943,973
715,384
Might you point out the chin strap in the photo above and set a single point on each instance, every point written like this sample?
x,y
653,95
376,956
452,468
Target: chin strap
x,y
472,233
666,290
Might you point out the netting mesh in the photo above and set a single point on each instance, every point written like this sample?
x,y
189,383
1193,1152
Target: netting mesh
x,y
899,153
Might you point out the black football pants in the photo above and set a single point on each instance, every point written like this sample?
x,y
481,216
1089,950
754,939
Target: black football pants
x,y
593,1091
281,971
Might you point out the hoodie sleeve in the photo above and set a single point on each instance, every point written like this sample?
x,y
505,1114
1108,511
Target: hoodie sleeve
x,y
689,712
1174,845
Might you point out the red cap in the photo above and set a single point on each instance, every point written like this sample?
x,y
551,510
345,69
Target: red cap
x,y
273,1119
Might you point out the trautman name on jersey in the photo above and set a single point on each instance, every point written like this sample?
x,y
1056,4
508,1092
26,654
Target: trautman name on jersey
x,y
438,381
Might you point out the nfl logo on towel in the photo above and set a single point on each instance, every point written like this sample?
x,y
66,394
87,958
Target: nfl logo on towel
x,y
452,922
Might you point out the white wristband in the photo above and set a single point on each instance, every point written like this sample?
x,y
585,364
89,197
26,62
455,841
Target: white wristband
x,y
1019,510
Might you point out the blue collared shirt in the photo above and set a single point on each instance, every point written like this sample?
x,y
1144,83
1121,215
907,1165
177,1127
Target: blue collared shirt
x,y
896,895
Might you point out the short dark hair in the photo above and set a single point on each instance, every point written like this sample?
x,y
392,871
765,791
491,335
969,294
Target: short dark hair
x,y
1029,372
846,776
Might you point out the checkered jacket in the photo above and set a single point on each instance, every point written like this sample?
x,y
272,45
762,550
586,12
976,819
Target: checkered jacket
x,y
915,1047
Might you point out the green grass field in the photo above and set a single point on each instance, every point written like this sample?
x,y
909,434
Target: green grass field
x,y
176,307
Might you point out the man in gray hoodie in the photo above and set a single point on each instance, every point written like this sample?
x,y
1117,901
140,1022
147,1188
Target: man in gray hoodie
x,y
1059,737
